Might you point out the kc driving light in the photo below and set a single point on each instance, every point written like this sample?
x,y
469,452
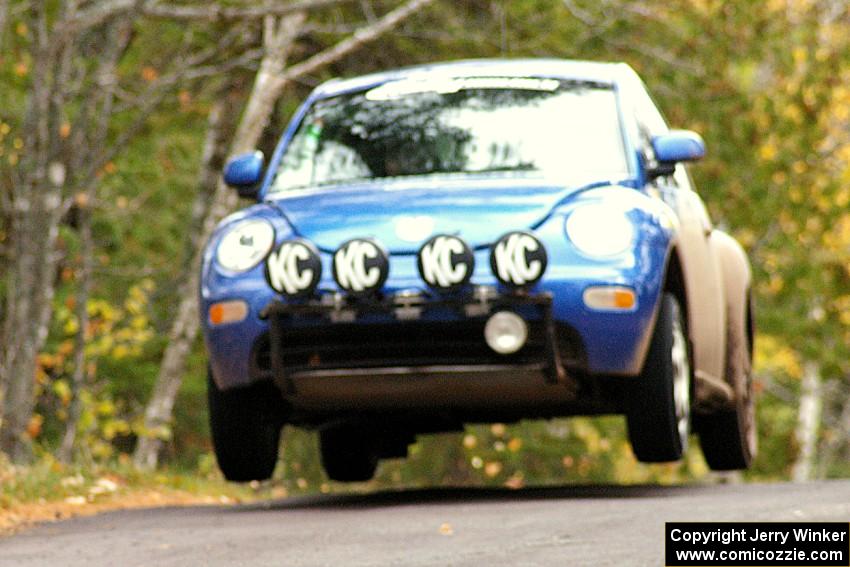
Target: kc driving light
x,y
505,332
600,230
245,245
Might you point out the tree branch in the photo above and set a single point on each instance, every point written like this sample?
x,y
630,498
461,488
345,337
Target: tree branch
x,y
4,11
107,9
366,6
357,40
609,18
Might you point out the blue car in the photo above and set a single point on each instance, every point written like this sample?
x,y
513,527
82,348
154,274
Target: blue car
x,y
475,241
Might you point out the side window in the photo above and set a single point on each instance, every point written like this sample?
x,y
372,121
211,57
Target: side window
x,y
650,123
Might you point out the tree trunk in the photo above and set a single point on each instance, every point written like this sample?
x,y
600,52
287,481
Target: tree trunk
x,y
184,328
4,11
84,277
34,225
839,439
272,77
808,422
28,310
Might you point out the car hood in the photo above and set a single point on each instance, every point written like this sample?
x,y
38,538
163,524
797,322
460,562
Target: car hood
x,y
402,214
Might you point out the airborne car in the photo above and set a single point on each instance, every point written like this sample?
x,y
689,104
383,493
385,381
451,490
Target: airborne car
x,y
475,241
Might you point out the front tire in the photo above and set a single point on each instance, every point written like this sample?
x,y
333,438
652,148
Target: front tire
x,y
658,406
245,424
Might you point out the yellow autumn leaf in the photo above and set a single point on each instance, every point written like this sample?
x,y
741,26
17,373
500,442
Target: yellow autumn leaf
x,y
133,306
120,351
773,355
767,152
71,327
62,391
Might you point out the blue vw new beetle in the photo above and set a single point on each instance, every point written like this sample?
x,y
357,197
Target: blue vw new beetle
x,y
475,241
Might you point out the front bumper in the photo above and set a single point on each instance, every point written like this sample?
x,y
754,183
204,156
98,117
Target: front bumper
x,y
406,350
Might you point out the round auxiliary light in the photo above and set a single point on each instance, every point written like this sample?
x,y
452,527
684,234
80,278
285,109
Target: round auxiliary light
x,y
294,268
505,332
518,259
445,262
361,266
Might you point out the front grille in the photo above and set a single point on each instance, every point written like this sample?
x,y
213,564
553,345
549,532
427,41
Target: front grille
x,y
341,345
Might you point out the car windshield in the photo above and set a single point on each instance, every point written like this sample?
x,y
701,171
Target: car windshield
x,y
465,126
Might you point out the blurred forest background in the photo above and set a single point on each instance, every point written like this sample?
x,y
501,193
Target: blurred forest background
x,y
115,119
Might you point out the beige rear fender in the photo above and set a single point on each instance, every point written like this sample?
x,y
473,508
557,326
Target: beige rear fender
x,y
737,283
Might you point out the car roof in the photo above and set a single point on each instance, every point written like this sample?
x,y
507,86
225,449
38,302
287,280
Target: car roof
x,y
591,71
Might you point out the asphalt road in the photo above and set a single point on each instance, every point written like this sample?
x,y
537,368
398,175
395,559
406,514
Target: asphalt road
x,y
599,525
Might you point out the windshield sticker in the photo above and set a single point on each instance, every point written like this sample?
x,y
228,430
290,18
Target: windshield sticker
x,y
312,136
396,89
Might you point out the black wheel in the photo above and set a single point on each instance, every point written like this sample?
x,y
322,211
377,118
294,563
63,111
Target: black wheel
x,y
729,438
658,405
349,454
245,425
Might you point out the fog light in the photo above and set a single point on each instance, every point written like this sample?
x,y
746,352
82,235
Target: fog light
x,y
228,312
505,332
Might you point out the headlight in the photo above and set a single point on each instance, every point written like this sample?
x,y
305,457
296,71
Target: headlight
x,y
245,245
600,230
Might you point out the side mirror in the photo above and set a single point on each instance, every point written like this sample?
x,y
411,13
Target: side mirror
x,y
244,172
674,147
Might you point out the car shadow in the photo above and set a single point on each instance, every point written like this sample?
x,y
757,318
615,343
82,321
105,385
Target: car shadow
x,y
453,495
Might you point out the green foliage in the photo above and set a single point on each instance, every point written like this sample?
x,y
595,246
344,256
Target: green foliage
x,y
529,453
116,340
575,451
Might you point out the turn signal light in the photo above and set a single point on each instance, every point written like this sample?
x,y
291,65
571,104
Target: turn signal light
x,y
610,298
228,312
